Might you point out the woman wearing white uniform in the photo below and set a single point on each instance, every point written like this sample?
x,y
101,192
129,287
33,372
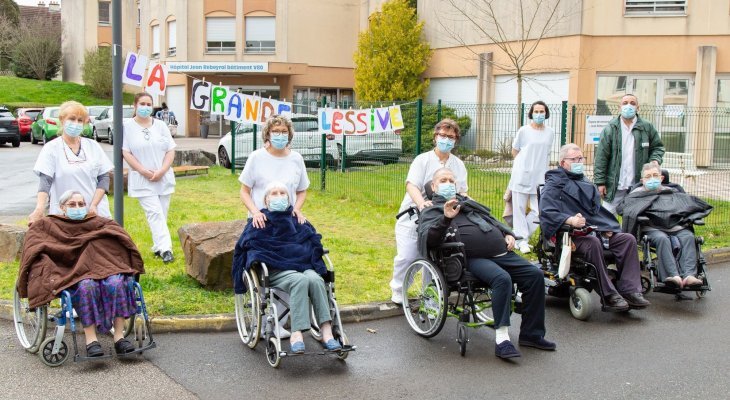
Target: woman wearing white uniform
x,y
149,150
446,136
531,151
72,163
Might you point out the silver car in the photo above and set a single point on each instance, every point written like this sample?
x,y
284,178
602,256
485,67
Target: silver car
x,y
104,124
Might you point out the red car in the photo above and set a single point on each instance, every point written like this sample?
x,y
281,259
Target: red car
x,y
26,116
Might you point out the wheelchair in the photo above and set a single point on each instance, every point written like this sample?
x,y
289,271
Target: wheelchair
x,y
259,305
31,326
440,287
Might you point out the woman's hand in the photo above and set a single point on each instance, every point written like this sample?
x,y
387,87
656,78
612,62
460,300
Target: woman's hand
x,y
510,240
35,216
299,215
148,174
259,220
426,203
157,175
576,221
451,208
91,210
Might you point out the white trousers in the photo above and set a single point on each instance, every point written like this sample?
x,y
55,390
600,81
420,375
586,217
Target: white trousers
x,y
523,223
617,199
406,243
155,208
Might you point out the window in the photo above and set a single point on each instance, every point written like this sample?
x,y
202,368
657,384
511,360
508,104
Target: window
x,y
260,34
220,35
104,13
171,38
155,41
655,7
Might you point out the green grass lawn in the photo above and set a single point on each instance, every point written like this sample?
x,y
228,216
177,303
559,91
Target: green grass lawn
x,y
21,92
355,216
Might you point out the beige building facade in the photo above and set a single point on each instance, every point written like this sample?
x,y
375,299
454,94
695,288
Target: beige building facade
x,y
303,48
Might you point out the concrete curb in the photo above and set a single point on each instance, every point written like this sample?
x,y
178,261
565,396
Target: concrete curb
x,y
349,314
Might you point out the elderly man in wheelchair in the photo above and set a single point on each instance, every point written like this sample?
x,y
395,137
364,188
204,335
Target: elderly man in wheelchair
x,y
662,216
569,201
488,246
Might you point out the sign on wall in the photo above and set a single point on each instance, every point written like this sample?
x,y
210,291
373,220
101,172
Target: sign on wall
x,y
594,127
217,66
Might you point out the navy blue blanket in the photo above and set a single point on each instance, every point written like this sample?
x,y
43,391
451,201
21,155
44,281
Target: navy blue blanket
x,y
283,244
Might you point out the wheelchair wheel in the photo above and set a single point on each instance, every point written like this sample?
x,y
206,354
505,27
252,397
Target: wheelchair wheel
x,y
483,307
344,341
424,298
314,330
272,352
140,331
129,326
462,336
248,310
30,326
580,304
47,356
645,284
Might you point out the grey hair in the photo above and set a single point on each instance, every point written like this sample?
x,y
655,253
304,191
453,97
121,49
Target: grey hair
x,y
67,195
649,166
566,148
274,185
441,171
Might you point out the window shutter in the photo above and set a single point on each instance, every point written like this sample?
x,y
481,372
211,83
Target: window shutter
x,y
220,29
172,34
260,28
156,39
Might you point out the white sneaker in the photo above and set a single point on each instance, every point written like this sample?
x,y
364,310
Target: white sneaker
x,y
397,297
524,248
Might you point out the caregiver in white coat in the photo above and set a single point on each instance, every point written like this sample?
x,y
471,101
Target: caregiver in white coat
x,y
446,136
149,150
531,152
72,162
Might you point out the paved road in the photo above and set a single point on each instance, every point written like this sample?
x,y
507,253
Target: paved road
x,y
20,184
675,350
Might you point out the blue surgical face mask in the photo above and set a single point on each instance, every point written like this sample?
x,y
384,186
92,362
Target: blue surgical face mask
x,y
576,168
279,142
445,145
76,213
538,118
279,203
652,183
73,129
144,111
628,111
446,190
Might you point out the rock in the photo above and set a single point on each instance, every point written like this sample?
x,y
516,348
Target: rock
x,y
194,157
111,181
208,249
11,242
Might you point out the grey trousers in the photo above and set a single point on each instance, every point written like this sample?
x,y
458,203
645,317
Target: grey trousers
x,y
303,288
668,265
623,247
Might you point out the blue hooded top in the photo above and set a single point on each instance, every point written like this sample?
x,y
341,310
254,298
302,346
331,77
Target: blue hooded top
x,y
566,194
283,244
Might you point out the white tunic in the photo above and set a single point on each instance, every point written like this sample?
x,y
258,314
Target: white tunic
x,y
531,163
626,173
421,173
74,172
263,168
150,151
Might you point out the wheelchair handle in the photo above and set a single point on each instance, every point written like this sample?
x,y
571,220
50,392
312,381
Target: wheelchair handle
x,y
410,211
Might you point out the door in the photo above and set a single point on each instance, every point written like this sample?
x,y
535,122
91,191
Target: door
x,y
721,153
177,102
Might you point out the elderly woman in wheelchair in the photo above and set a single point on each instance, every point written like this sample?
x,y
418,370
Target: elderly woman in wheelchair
x,y
662,217
287,256
487,249
89,262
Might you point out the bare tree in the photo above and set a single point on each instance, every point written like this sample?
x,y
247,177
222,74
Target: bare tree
x,y
8,30
516,34
37,50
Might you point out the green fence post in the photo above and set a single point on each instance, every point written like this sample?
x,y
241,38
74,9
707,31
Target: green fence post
x,y
438,112
563,122
572,124
343,156
323,163
233,148
255,136
419,116
522,114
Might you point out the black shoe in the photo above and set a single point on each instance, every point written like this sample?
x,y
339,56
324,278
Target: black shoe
x,y
93,349
123,346
537,342
615,303
636,301
506,350
158,254
167,257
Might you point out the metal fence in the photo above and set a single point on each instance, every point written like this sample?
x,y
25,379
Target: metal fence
x,y
375,166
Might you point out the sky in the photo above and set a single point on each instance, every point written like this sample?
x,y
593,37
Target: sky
x,y
31,2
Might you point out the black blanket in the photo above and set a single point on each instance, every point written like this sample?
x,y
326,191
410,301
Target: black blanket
x,y
665,209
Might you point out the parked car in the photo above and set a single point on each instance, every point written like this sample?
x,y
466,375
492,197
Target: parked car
x,y
95,111
307,141
26,116
385,147
104,124
8,128
46,125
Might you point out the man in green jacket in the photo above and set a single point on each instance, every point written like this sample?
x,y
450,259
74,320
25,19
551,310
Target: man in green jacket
x,y
627,143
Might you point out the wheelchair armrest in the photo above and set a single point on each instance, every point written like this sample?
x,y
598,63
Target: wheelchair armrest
x,y
449,245
325,250
698,222
643,220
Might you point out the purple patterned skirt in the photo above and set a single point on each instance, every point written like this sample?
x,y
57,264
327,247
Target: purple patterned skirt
x,y
99,301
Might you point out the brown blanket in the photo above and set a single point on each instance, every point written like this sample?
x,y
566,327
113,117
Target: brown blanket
x,y
59,252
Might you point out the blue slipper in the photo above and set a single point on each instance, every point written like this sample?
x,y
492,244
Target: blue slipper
x,y
506,350
333,345
297,347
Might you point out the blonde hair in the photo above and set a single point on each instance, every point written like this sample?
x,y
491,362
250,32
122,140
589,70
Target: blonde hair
x,y
276,120
71,108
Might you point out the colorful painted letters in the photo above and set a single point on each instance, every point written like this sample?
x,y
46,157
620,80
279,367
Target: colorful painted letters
x,y
360,122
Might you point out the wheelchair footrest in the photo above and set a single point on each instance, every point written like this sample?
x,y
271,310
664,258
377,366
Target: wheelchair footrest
x,y
322,352
675,290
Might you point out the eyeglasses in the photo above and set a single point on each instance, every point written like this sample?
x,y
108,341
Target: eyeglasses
x,y
75,204
575,159
81,157
280,133
146,133
445,136
653,176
